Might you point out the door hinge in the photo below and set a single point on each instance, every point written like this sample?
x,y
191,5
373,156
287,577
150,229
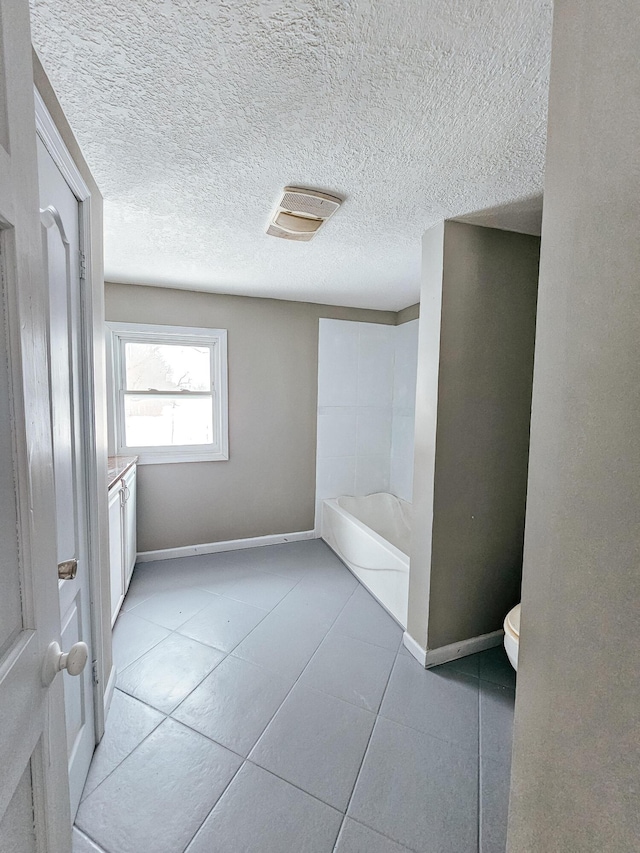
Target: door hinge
x,y
83,264
94,672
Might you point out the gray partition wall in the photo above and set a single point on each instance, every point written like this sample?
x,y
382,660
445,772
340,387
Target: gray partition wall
x,y
575,783
473,407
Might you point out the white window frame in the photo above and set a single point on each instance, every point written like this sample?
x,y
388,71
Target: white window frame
x,y
120,334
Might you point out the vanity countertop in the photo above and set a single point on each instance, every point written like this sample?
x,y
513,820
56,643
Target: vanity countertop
x,y
117,466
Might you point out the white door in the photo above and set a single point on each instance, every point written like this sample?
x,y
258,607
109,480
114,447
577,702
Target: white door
x,y
61,246
34,792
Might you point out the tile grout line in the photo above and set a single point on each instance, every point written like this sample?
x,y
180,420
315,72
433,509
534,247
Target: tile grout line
x,y
216,595
452,743
230,653
296,681
226,653
480,755
377,715
210,739
463,749
259,666
204,589
247,760
88,837
91,839
366,750
155,625
403,847
312,656
479,794
222,793
169,715
341,698
293,785
275,606
411,728
293,686
195,687
173,631
102,781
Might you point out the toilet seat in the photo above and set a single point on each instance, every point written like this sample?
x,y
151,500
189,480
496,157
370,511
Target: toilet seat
x,y
513,621
512,635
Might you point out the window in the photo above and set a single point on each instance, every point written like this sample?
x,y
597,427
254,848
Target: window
x,y
169,395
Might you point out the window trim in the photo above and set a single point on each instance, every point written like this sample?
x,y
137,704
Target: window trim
x,y
121,333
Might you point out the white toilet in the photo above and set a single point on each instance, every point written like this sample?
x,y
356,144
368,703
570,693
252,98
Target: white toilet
x,y
512,635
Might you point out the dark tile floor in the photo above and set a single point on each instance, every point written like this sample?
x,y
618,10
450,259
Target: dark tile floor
x,y
265,704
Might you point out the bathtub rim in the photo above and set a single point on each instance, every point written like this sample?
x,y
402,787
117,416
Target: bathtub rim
x,y
380,540
363,529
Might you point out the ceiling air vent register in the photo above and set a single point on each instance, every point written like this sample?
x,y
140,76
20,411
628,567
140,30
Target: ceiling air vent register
x,y
301,213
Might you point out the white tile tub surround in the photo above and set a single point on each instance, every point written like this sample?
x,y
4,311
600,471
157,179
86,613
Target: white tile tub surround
x,y
338,363
404,408
337,431
372,474
355,414
376,349
366,403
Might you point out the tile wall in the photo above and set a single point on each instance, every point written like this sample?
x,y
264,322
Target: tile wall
x,y
404,409
366,390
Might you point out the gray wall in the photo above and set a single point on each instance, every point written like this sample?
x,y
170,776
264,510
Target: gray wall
x,y
268,484
576,766
412,312
478,381
424,448
482,441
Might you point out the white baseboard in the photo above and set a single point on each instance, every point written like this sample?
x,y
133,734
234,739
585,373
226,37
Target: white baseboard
x,y
444,654
229,545
415,648
434,657
108,692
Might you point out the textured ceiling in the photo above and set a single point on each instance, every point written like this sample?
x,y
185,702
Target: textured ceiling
x,y
193,114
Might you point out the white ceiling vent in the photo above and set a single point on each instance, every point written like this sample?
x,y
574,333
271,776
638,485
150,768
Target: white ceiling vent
x,y
300,213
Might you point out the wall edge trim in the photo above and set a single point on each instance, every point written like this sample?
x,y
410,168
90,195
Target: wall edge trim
x,y
461,649
109,690
414,648
228,545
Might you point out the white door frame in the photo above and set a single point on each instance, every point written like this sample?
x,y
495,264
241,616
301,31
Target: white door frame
x,y
53,142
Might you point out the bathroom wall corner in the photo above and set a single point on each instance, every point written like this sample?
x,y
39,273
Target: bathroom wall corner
x,y
425,431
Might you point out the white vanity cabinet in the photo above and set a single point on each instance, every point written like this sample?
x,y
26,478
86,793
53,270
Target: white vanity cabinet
x,y
116,562
122,535
129,519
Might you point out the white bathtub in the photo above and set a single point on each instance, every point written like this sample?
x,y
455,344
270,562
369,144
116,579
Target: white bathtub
x,y
372,536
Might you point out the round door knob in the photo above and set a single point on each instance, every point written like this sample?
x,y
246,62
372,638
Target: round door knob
x,y
74,661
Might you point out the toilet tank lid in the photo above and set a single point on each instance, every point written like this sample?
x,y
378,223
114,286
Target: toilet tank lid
x,y
513,619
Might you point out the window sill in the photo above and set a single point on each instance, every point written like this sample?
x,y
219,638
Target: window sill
x,y
167,458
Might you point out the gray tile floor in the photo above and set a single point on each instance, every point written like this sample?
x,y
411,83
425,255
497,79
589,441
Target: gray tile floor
x,y
265,704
